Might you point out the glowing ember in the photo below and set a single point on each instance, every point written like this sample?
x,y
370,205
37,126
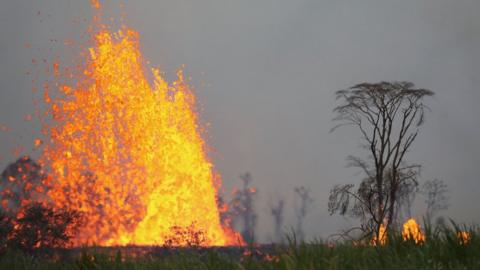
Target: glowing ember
x,y
411,231
129,154
463,237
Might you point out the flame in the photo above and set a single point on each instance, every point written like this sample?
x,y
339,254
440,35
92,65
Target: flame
x,y
129,154
463,237
382,240
411,231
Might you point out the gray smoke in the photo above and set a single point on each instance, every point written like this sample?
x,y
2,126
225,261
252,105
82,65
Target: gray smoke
x,y
265,73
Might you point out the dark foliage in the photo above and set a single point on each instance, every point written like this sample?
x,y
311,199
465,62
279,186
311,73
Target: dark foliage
x,y
6,228
27,221
39,226
441,250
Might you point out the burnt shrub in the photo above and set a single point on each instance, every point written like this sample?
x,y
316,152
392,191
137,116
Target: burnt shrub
x,y
22,182
39,226
6,228
28,220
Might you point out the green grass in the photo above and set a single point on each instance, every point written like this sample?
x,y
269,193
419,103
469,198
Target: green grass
x,y
442,250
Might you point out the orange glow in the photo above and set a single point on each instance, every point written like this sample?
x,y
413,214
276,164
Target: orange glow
x,y
95,4
127,151
463,237
411,231
4,128
37,142
382,240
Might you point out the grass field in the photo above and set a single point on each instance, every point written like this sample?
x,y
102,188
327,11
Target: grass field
x,y
441,250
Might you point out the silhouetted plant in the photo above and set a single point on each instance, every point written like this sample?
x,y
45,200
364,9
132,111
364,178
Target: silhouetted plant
x,y
436,199
243,209
6,228
388,116
40,226
407,193
277,212
306,200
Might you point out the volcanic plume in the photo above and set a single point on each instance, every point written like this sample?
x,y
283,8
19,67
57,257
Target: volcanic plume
x,y
126,150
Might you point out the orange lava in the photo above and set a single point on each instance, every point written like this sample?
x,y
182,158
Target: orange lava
x,y
127,151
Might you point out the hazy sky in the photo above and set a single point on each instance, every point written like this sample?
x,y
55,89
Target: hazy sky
x,y
265,72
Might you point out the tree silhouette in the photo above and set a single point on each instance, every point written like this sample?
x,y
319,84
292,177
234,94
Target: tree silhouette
x,y
303,194
436,199
277,212
407,192
388,116
242,205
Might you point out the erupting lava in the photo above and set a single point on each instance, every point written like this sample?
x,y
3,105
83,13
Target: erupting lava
x,y
129,154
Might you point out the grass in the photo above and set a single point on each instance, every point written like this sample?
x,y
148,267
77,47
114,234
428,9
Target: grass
x,y
442,250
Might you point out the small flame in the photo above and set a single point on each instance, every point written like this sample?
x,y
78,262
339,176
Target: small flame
x,y
464,237
381,238
37,142
95,4
411,231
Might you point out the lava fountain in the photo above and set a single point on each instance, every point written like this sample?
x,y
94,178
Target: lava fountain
x,y
127,151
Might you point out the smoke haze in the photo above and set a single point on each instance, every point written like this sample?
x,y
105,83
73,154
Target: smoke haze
x,y
265,73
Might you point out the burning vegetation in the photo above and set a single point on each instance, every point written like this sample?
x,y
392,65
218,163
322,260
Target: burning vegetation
x,y
411,231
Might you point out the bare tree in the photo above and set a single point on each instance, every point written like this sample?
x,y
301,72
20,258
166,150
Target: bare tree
x,y
242,205
406,196
436,199
277,211
388,116
301,212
